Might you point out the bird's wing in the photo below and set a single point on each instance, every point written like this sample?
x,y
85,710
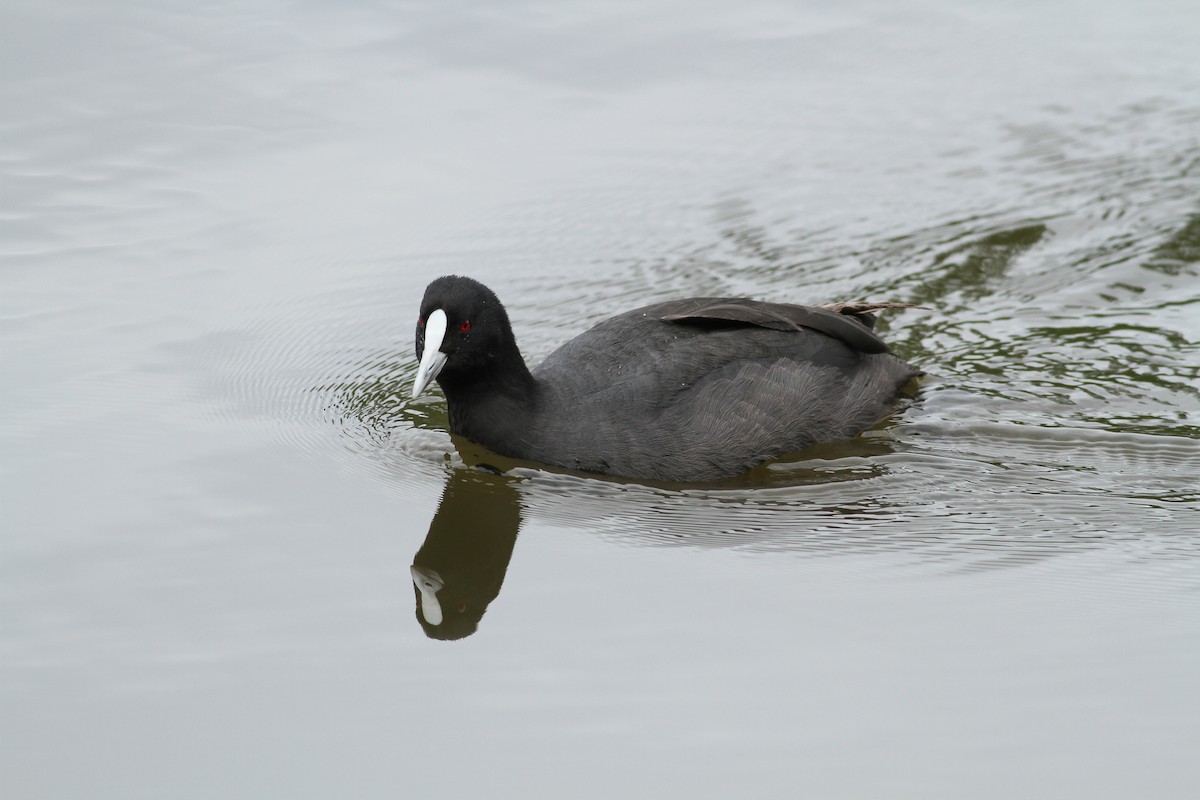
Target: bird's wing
x,y
777,316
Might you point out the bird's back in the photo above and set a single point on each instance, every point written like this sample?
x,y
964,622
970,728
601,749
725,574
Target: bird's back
x,y
700,398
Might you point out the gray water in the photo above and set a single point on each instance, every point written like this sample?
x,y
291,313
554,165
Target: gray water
x,y
217,220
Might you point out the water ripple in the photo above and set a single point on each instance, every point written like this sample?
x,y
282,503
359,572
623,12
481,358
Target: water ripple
x,y
1060,414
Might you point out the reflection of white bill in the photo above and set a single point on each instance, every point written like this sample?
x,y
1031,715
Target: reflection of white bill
x,y
428,583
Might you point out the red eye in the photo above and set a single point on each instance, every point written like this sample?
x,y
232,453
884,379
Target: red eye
x,y
420,322
465,325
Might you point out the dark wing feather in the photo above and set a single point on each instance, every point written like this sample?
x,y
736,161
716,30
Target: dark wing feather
x,y
780,317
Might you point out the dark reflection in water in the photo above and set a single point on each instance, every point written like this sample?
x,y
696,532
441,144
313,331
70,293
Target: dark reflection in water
x,y
968,271
1179,254
460,567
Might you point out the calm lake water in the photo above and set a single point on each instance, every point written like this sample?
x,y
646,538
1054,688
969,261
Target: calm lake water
x,y
217,221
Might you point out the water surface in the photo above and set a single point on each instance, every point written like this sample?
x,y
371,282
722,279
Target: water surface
x,y
216,226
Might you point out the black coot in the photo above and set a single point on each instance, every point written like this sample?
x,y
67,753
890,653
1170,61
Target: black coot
x,y
689,390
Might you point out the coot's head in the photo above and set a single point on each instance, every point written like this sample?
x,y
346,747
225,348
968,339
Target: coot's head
x,y
462,332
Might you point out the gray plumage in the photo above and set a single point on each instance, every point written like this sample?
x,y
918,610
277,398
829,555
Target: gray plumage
x,y
690,390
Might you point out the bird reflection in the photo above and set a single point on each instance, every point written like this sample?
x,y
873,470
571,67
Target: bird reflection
x,y
460,567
